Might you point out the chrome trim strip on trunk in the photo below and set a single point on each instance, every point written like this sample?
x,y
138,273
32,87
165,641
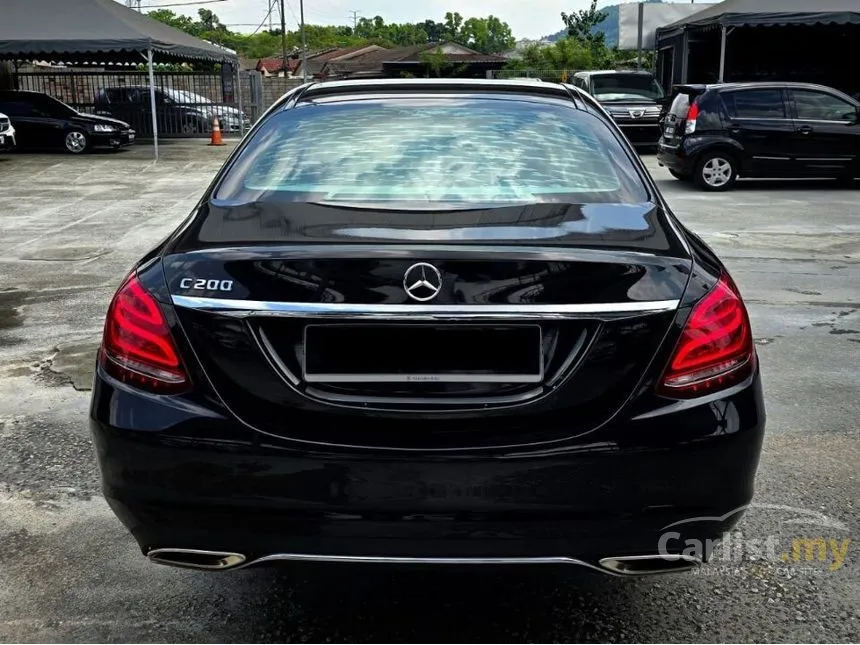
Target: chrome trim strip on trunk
x,y
244,308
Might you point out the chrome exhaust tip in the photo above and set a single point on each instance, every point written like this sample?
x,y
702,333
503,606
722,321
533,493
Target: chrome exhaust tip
x,y
196,559
646,565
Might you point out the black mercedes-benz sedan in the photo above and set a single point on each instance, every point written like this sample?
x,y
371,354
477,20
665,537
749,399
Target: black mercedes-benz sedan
x,y
429,321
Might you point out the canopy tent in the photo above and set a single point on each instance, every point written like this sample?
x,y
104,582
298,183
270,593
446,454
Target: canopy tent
x,y
90,31
769,13
755,13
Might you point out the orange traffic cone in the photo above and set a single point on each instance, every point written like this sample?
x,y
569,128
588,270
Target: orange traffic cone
x,y
216,139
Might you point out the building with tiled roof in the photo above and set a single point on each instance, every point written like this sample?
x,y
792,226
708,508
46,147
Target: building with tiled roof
x,y
410,60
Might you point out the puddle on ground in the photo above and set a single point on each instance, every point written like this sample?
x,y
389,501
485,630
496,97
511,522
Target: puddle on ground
x,y
75,363
10,301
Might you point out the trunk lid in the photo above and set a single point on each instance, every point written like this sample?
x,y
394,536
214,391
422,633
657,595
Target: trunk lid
x,y
593,302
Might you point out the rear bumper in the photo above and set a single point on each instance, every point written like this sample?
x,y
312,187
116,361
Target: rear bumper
x,y
197,480
675,158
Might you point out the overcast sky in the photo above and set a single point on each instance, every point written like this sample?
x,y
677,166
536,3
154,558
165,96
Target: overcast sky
x,y
527,18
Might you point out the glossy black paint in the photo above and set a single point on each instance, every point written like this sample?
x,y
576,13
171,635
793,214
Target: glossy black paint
x,y
766,147
199,480
42,123
366,274
590,463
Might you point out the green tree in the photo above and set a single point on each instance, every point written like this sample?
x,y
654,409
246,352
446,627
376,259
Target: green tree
x,y
435,30
487,35
168,17
453,27
582,24
436,61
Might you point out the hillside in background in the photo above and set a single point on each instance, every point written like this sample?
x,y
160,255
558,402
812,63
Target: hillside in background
x,y
608,26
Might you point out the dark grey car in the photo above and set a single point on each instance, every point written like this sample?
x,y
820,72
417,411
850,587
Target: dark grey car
x,y
634,99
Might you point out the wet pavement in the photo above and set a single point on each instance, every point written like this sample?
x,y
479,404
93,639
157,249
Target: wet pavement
x,y
71,227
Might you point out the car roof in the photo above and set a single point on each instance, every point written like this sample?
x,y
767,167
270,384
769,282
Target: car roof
x,y
476,83
513,87
751,85
595,72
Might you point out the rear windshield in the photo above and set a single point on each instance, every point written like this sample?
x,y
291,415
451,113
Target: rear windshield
x,y
432,153
681,105
625,87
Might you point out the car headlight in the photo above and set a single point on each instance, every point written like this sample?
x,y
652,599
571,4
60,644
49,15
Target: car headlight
x,y
98,127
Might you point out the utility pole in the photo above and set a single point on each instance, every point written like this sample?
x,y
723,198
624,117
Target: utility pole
x,y
271,11
284,38
304,43
354,19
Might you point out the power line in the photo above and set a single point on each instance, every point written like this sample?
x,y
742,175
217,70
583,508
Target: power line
x,y
265,18
354,18
292,11
284,38
304,42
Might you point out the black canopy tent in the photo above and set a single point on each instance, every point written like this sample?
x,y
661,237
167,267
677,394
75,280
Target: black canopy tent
x,y
725,17
97,31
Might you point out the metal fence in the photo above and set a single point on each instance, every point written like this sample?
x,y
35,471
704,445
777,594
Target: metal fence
x,y
185,102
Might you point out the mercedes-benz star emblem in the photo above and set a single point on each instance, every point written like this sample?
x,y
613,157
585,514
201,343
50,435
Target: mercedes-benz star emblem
x,y
422,282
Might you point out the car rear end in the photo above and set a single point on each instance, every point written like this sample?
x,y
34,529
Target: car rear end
x,y
694,115
478,336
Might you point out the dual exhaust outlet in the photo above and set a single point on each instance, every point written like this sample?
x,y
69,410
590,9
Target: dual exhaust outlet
x,y
629,565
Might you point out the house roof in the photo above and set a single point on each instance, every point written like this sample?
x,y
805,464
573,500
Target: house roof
x,y
750,13
93,31
318,61
274,64
460,58
411,54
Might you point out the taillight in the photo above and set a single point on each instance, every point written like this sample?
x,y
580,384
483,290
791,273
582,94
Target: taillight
x,y
715,350
692,115
137,347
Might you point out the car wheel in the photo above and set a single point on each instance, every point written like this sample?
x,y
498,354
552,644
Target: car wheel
x,y
716,170
76,142
678,175
190,127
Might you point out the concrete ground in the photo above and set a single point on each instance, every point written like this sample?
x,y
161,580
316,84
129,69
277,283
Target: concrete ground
x,y
70,227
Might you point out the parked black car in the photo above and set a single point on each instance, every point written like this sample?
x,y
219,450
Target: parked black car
x,y
41,121
635,99
714,134
430,321
177,111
